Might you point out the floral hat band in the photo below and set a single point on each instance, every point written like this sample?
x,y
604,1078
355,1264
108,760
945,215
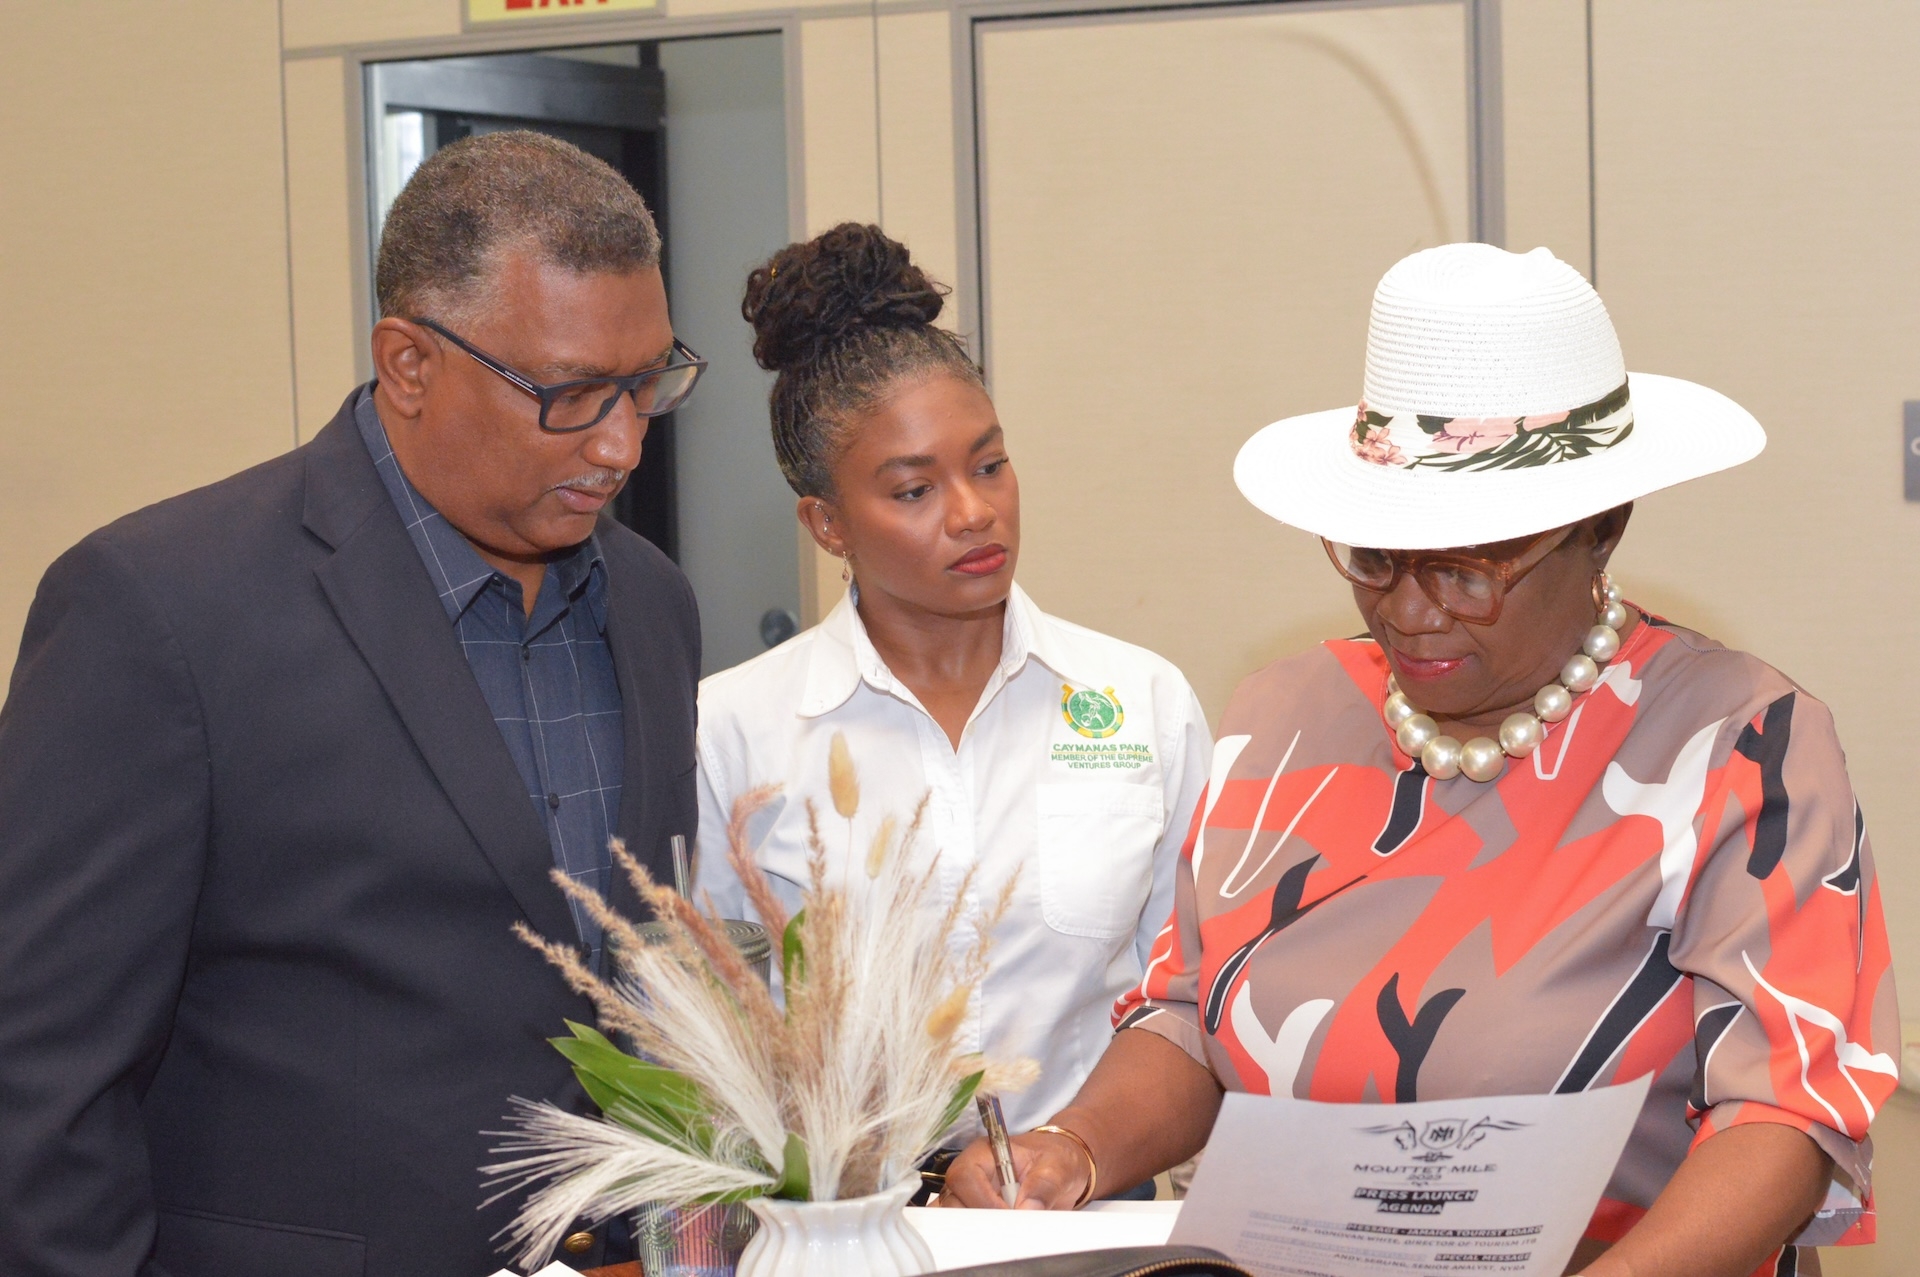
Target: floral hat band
x,y
1413,441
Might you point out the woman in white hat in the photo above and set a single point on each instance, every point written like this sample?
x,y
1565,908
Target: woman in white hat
x,y
1525,837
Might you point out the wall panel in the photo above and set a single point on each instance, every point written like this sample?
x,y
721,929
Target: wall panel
x,y
143,314
324,23
1756,188
1184,218
323,216
840,144
916,140
1543,71
841,155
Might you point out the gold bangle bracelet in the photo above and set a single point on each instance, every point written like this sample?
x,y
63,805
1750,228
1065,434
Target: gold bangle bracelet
x,y
1093,1167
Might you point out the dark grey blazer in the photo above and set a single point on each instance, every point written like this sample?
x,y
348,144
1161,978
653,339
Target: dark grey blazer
x,y
261,846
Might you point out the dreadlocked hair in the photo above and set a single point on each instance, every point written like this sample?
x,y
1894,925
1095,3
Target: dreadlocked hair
x,y
842,319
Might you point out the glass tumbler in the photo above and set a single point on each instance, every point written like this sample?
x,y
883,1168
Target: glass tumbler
x,y
692,1241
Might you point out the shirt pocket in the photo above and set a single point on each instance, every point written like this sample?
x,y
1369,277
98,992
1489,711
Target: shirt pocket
x,y
1096,845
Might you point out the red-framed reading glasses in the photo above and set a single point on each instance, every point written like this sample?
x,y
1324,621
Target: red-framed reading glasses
x,y
569,406
1469,585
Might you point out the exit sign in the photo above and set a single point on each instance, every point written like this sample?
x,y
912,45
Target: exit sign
x,y
503,10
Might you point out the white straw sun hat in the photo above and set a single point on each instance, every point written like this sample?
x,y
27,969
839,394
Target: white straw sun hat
x,y
1497,405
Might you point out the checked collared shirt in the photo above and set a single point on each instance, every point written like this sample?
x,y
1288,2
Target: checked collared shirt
x,y
548,678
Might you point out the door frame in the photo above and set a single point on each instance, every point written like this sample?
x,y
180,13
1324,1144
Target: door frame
x,y
360,118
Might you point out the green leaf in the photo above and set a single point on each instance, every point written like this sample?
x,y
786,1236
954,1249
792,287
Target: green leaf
x,y
794,1184
957,1105
650,1084
793,956
587,1033
625,1087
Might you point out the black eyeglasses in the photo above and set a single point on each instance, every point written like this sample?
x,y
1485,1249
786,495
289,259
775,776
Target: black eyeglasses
x,y
569,406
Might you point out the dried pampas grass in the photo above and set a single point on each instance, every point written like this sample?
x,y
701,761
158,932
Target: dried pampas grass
x,y
727,1095
843,782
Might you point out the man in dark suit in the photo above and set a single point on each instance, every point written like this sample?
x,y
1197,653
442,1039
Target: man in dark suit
x,y
284,760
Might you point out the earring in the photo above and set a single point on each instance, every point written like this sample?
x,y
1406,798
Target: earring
x,y
846,567
1602,585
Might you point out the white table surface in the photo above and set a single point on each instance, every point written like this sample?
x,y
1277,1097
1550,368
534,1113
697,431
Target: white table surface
x,y
961,1238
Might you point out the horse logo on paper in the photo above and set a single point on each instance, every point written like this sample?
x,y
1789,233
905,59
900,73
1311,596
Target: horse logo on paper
x,y
1442,1138
1095,715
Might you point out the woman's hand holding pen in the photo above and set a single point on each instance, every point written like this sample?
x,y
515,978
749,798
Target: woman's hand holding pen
x,y
1051,1169
1100,1142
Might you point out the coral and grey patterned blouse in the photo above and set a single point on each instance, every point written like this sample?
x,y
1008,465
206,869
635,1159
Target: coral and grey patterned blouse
x,y
1678,882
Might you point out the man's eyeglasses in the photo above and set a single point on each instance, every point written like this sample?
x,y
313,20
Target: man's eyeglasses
x,y
567,406
1465,585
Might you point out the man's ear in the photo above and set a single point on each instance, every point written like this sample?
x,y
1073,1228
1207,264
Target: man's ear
x,y
405,357
822,524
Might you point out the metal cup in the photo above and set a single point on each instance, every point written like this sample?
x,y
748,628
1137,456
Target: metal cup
x,y
692,1241
754,944
750,938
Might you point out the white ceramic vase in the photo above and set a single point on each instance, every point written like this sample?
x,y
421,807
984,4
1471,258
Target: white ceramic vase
x,y
861,1237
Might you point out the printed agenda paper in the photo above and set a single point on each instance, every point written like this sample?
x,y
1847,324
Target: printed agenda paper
x,y
1501,1184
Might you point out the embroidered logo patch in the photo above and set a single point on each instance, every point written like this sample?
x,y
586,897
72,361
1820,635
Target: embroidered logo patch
x,y
1095,715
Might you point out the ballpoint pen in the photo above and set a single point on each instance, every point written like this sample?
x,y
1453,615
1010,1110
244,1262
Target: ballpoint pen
x,y
996,1123
682,875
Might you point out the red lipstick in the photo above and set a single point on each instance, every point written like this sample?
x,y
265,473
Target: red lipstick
x,y
1412,669
982,560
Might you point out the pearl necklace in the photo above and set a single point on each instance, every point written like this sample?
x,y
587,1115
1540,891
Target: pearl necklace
x,y
1484,758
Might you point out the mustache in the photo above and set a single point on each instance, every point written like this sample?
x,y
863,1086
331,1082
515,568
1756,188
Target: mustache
x,y
595,480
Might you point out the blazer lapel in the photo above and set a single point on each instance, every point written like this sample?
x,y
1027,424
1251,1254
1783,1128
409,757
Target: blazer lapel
x,y
625,623
381,592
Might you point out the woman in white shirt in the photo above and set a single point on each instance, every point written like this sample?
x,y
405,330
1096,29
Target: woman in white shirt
x,y
1043,748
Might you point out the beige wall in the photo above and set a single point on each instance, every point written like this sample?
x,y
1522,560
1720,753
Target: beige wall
x,y
1756,186
1166,271
325,213
323,23
1544,83
877,147
144,343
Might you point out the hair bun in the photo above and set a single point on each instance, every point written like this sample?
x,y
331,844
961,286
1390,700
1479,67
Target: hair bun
x,y
810,298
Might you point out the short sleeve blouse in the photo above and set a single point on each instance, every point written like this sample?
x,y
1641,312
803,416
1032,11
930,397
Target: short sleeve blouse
x,y
1678,882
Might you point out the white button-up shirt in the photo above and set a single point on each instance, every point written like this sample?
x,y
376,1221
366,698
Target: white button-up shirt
x,y
1079,770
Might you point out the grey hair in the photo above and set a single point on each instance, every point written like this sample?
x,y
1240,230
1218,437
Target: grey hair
x,y
481,195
